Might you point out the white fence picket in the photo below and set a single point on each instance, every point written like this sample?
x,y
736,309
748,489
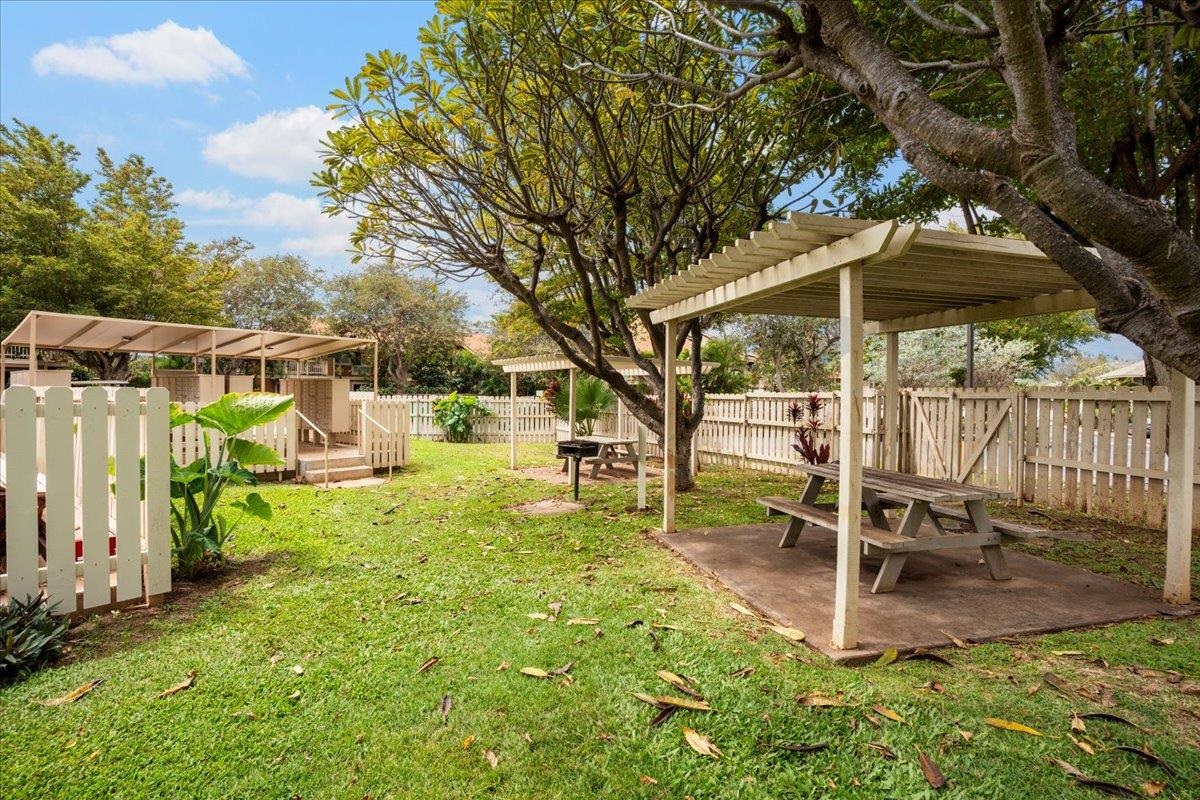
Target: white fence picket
x,y
71,434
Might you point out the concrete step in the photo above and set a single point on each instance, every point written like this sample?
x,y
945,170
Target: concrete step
x,y
308,461
343,473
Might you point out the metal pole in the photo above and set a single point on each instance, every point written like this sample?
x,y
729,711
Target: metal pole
x,y
512,420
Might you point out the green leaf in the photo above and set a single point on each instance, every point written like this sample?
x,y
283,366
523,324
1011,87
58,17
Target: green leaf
x,y
254,505
179,416
239,412
252,454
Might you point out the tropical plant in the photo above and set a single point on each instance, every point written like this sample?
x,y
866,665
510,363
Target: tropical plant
x,y
457,414
727,375
30,636
807,419
198,531
593,397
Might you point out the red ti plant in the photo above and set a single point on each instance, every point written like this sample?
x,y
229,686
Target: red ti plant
x,y
807,419
553,387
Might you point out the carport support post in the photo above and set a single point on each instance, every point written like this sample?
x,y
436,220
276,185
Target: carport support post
x,y
512,420
33,370
850,448
262,363
891,401
668,401
1181,474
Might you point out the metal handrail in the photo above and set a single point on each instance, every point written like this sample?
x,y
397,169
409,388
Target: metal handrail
x,y
324,437
381,427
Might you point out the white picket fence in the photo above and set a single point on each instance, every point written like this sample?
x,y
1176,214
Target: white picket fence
x,y
102,537
379,426
534,422
1100,451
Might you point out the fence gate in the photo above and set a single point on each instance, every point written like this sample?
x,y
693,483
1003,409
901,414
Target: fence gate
x,y
964,435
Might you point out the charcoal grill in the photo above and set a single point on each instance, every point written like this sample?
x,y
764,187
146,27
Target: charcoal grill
x,y
575,450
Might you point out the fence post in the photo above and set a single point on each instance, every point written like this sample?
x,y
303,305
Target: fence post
x,y
745,427
1016,458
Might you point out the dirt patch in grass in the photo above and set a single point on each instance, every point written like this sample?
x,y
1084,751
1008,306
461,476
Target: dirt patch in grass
x,y
102,634
548,507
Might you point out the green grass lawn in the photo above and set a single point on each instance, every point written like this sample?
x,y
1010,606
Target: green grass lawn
x,y
358,588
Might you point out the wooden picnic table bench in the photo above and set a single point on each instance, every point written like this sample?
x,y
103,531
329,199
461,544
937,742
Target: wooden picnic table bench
x,y
610,453
922,499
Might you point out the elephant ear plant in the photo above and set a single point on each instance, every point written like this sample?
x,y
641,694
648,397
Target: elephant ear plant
x,y
198,530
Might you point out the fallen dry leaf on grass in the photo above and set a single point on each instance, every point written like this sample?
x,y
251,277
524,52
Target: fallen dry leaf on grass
x,y
1077,723
1092,783
887,657
1153,788
1108,717
429,664
583,621
921,654
882,749
1082,745
1146,754
679,683
796,747
534,672
648,781
931,771
444,708
819,701
741,609
298,669
183,685
959,643
539,615
701,743
887,712
492,758
791,634
75,694
691,704
467,742
1057,683
742,673
1009,725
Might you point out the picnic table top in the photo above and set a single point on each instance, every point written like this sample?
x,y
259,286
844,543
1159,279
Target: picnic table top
x,y
915,487
607,439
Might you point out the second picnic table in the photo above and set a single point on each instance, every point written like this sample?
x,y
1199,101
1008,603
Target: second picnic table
x,y
923,499
610,453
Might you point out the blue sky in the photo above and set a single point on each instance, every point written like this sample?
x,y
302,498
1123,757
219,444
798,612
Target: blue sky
x,y
226,100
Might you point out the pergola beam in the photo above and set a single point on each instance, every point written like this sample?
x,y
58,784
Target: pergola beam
x,y
1069,300
880,242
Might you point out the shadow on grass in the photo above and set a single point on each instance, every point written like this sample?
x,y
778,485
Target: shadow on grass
x,y
106,633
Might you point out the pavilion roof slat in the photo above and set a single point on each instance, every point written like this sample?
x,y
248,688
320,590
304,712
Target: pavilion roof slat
x,y
918,278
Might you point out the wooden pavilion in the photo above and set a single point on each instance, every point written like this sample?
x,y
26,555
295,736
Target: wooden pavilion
x,y
886,278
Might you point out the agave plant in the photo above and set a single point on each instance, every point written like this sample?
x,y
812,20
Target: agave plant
x,y
199,531
30,636
593,397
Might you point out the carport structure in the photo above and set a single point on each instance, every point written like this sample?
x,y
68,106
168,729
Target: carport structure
x,y
886,278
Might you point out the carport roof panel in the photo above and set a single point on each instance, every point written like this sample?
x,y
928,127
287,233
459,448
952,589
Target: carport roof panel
x,y
56,331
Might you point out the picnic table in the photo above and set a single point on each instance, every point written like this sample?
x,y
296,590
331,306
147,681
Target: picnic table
x,y
923,499
610,453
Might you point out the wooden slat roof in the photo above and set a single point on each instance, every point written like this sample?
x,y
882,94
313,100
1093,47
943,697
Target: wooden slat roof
x,y
552,362
57,331
913,278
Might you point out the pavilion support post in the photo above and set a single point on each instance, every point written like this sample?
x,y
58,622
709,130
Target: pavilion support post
x,y
572,379
891,401
262,363
375,371
512,420
850,448
212,366
33,370
1181,475
669,448
641,465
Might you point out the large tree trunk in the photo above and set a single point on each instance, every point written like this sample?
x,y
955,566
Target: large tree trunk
x,y
107,366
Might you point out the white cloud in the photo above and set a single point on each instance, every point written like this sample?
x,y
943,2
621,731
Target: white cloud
x,y
169,53
304,228
280,145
